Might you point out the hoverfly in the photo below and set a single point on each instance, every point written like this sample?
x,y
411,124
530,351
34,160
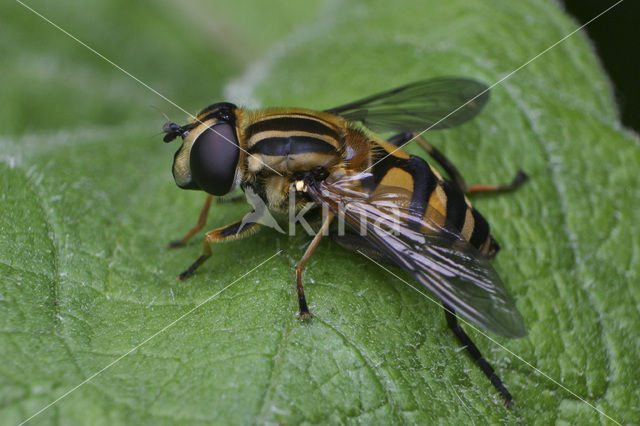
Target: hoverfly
x,y
411,216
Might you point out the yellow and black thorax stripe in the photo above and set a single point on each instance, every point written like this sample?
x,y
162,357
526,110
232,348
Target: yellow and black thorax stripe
x,y
292,140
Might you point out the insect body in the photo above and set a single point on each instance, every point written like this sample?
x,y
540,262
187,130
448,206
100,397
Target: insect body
x,y
399,208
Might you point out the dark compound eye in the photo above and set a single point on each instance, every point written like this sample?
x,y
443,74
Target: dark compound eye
x,y
214,158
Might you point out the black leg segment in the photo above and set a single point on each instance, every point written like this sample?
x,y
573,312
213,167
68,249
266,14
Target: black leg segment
x,y
473,350
199,261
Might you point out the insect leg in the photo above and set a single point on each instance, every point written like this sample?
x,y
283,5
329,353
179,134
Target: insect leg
x,y
236,230
452,171
473,350
302,301
202,219
518,180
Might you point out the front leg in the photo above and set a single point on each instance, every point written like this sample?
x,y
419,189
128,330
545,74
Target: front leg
x,y
302,301
238,229
202,219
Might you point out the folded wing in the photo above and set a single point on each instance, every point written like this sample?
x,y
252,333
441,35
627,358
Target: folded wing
x,y
441,260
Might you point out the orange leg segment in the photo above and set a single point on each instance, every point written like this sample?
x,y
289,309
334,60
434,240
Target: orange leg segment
x,y
202,219
302,301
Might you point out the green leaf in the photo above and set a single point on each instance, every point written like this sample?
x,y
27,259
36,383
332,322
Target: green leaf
x,y
88,206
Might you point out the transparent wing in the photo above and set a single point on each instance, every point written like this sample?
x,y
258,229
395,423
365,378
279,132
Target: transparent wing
x,y
418,106
442,261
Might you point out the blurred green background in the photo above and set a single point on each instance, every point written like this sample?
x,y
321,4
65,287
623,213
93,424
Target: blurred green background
x,y
88,206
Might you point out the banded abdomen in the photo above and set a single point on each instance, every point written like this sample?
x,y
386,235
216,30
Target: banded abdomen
x,y
433,198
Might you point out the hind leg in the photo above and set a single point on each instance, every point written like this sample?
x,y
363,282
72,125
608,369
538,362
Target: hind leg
x,y
473,350
452,171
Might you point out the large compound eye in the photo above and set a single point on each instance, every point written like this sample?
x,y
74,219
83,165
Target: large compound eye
x,y
214,158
